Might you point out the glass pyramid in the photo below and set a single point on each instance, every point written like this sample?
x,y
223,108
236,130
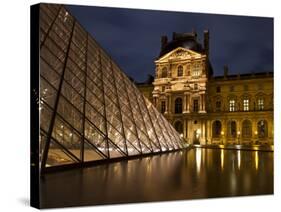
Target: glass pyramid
x,y
89,109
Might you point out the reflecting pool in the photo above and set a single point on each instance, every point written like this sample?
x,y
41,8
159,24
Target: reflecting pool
x,y
188,174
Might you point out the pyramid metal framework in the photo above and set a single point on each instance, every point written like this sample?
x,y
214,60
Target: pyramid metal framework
x,y
89,109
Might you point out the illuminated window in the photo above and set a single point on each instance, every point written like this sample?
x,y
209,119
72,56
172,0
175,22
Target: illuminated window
x,y
196,70
164,72
195,86
180,71
246,104
231,105
178,105
163,106
260,104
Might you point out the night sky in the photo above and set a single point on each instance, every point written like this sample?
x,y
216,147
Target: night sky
x,y
132,37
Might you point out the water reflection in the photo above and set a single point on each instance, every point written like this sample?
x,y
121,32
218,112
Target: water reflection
x,y
257,160
239,158
198,160
222,158
197,173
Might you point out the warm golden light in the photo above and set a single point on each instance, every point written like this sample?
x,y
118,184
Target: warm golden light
x,y
238,132
198,159
222,132
222,158
256,160
239,158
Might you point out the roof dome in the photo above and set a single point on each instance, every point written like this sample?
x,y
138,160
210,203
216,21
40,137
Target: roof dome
x,y
185,40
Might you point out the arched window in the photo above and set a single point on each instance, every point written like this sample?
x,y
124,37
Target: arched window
x,y
246,129
178,105
179,127
262,129
164,72
216,129
180,71
231,129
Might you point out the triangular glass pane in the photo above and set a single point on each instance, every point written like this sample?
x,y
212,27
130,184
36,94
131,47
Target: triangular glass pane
x,y
95,118
132,149
67,137
58,156
116,137
95,136
90,153
114,152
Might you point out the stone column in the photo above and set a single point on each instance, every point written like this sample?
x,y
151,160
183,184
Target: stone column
x,y
166,104
270,130
184,128
188,103
203,102
169,103
184,103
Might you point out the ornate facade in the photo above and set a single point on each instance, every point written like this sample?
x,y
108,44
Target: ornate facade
x,y
207,109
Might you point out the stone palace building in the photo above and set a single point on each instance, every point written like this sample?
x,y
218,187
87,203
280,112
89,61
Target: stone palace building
x,y
208,109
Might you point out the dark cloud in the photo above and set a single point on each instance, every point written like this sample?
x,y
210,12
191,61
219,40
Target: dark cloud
x,y
132,37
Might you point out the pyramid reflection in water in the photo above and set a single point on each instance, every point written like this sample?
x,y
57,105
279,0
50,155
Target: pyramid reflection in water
x,y
89,109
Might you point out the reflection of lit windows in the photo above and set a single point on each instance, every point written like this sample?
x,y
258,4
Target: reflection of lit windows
x,y
163,106
65,16
260,104
231,105
180,71
246,104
